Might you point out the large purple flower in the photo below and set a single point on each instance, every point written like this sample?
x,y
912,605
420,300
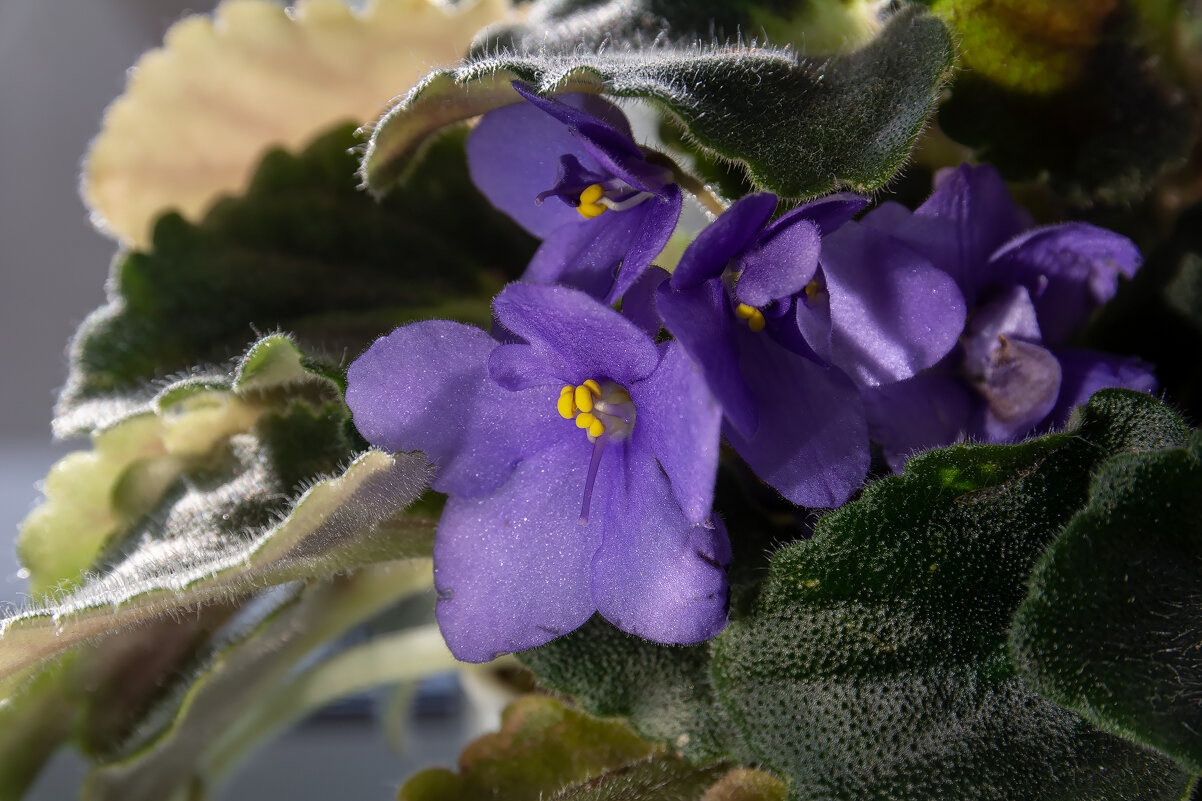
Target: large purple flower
x,y
580,465
1028,291
568,171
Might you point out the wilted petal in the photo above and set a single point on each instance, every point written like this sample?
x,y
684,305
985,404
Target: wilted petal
x,y
679,421
1069,269
590,340
780,265
513,154
701,321
1084,372
723,239
928,411
812,440
892,313
425,387
656,575
513,569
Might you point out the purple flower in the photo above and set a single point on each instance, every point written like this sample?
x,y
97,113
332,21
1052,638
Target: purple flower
x,y
568,171
580,465
1028,291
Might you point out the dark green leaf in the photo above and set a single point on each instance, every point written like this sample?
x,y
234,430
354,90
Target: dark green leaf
x,y
876,665
1111,626
801,128
303,250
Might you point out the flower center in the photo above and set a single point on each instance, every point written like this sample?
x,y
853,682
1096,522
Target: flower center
x,y
600,408
753,316
605,411
596,199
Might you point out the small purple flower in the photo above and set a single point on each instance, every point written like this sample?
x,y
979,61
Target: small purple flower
x,y
580,465
1028,291
568,171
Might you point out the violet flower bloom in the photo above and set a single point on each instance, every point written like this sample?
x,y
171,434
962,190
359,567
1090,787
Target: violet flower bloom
x,y
568,171
580,465
798,424
1028,291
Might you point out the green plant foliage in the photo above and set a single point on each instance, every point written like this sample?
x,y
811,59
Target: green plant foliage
x,y
542,747
1069,90
1110,627
800,128
660,778
303,250
874,662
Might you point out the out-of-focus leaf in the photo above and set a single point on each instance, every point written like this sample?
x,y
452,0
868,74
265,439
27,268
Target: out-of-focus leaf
x,y
33,723
543,747
1111,626
199,113
744,784
239,678
800,128
659,778
302,250
876,665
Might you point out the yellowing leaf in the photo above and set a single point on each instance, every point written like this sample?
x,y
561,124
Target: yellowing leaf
x,y
198,114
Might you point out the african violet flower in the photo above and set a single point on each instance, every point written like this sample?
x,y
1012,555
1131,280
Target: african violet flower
x,y
1028,291
580,465
787,318
568,171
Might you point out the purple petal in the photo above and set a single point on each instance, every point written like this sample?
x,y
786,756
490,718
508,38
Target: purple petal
x,y
513,569
813,316
590,340
680,422
425,387
638,302
969,215
518,366
655,229
812,439
1009,314
613,149
656,575
1069,269
924,412
828,213
892,313
1084,372
888,218
587,254
514,153
780,265
702,323
722,240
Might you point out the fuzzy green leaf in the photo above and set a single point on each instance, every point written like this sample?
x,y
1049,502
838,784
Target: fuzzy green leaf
x,y
801,128
1110,627
303,250
876,665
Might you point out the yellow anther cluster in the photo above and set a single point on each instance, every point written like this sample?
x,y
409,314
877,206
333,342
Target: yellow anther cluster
x,y
578,402
813,289
753,316
589,206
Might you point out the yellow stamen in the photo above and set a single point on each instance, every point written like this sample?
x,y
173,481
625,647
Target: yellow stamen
x,y
813,288
593,387
566,410
745,312
584,399
757,322
589,207
585,420
596,429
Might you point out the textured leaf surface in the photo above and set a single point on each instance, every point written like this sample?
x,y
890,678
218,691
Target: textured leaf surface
x,y
302,250
542,747
1111,626
272,503
659,778
801,128
876,666
199,113
235,680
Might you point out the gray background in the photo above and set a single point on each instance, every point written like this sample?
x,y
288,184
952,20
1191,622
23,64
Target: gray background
x,y
61,63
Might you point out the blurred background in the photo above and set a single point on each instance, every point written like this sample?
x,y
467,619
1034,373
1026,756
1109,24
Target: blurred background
x,y
61,63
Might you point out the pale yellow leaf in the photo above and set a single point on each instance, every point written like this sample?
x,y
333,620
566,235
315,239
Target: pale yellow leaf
x,y
199,113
